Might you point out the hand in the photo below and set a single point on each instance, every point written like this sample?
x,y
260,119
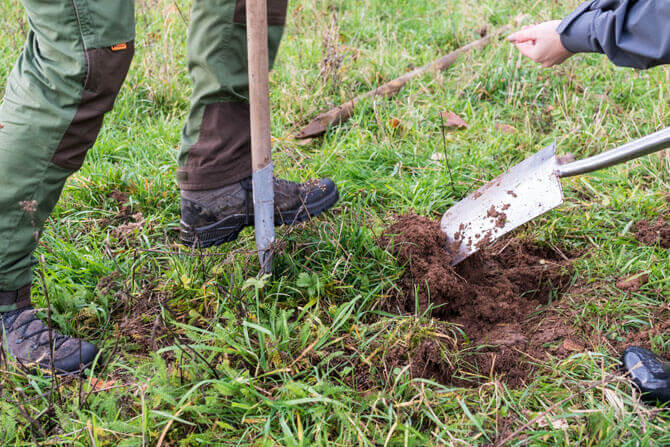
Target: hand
x,y
541,43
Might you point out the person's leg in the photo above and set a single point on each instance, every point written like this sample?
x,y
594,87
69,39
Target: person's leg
x,y
215,158
215,149
74,61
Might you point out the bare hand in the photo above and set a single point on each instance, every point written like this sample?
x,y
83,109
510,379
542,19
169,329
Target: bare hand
x,y
541,43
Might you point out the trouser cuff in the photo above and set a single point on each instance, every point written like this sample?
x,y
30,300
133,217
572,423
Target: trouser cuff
x,y
15,299
222,154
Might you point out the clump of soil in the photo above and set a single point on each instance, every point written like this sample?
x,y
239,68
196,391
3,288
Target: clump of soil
x,y
642,337
653,233
492,284
632,283
494,295
119,197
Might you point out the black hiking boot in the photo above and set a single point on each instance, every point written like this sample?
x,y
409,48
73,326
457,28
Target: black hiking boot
x,y
25,338
649,373
217,216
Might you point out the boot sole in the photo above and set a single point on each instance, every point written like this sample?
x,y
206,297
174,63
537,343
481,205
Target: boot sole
x,y
46,370
228,229
61,373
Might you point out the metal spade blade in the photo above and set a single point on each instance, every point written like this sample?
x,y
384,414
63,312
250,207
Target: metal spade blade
x,y
526,191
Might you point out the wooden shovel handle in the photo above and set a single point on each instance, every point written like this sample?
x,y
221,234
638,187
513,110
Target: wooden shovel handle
x,y
259,89
261,154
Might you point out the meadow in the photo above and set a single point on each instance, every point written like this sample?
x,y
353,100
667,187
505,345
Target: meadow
x,y
199,349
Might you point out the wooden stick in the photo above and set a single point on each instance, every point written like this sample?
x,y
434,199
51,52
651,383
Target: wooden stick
x,y
342,113
259,89
261,153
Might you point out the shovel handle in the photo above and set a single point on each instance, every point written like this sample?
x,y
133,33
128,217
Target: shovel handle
x,y
261,151
635,149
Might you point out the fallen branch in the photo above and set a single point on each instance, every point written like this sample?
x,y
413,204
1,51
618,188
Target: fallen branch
x,y
342,113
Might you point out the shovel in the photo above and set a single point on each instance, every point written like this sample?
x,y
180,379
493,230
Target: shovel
x,y
261,151
526,191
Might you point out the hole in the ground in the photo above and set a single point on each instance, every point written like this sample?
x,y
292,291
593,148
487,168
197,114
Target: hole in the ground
x,y
498,297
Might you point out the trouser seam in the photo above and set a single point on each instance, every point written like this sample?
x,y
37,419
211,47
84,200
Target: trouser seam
x,y
83,22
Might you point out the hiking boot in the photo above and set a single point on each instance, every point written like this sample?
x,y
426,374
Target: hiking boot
x,y
649,373
216,216
26,339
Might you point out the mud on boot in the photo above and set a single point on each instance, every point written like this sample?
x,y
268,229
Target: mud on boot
x,y
25,340
216,216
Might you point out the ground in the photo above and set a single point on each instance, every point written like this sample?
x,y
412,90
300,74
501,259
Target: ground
x,y
344,344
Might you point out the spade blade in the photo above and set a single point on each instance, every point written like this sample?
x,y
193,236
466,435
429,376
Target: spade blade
x,y
526,191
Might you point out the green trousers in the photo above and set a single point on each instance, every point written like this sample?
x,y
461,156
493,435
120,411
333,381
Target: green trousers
x,y
72,67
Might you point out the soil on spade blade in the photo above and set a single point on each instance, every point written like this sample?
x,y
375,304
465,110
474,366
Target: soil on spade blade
x,y
498,297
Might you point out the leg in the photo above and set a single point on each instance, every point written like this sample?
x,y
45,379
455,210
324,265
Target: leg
x,y
215,158
74,61
216,141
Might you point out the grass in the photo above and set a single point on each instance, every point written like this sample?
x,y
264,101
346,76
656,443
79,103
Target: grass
x,y
200,350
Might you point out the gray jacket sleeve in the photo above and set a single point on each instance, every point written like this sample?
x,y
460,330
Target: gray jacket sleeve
x,y
632,33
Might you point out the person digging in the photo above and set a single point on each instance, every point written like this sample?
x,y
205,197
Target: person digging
x,y
74,62
631,34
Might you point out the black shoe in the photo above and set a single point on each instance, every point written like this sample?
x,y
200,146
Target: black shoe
x,y
26,339
649,373
217,216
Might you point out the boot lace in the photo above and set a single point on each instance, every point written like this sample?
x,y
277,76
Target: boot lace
x,y
283,182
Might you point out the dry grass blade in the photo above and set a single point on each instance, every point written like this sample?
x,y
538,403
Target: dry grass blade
x,y
548,411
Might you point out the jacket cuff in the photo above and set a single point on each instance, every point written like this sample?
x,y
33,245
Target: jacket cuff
x,y
575,32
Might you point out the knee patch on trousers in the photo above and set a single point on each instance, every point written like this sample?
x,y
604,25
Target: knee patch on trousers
x,y
222,154
276,12
106,69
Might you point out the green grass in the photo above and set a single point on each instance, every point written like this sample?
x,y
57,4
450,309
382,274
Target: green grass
x,y
242,360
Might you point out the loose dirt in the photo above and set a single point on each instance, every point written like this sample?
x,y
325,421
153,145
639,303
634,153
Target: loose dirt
x,y
642,337
653,233
632,283
497,296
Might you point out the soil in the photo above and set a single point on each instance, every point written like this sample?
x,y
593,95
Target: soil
x,y
495,296
632,283
499,216
642,337
653,233
119,197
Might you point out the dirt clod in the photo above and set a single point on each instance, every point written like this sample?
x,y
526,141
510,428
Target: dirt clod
x,y
499,216
119,197
494,295
632,283
652,233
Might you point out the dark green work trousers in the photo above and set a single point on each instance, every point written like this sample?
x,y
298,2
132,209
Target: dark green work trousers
x,y
72,67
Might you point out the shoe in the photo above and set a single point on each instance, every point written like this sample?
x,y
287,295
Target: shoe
x,y
26,339
213,217
649,373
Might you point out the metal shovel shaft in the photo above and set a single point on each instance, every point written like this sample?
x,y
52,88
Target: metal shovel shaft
x,y
261,151
642,146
